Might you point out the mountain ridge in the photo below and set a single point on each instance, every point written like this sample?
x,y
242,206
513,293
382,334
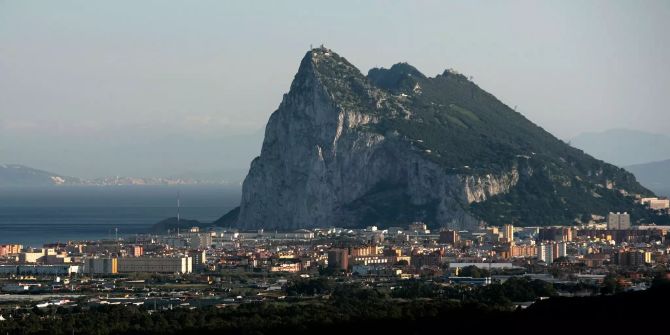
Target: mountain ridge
x,y
654,175
17,175
396,146
20,175
624,147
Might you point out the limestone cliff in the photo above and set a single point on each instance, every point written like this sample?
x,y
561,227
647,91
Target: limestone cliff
x,y
349,150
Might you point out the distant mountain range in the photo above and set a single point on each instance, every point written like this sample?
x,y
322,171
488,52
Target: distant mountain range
x,y
654,175
624,147
137,153
16,175
646,155
19,175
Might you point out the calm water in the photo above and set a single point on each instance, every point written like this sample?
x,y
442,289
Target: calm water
x,y
33,216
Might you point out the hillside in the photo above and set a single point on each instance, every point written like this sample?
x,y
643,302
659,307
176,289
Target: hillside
x,y
395,146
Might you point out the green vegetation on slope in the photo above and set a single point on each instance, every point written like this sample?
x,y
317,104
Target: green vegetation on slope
x,y
469,131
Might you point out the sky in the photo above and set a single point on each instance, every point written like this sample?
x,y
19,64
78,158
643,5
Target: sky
x,y
148,88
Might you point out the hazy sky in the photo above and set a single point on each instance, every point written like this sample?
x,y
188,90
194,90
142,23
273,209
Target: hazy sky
x,y
80,80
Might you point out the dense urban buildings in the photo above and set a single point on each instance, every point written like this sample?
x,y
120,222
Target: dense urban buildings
x,y
394,254
215,268
221,266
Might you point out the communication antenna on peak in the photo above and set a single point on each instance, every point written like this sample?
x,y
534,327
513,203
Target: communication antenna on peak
x,y
178,207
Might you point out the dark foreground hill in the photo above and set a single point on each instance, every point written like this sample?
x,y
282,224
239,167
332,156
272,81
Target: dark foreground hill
x,y
358,311
396,146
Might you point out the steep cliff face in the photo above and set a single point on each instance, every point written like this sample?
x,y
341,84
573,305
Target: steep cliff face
x,y
348,150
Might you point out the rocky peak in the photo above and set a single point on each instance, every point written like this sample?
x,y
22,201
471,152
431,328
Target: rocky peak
x,y
395,147
401,77
342,82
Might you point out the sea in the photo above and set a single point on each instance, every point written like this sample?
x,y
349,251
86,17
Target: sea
x,y
33,216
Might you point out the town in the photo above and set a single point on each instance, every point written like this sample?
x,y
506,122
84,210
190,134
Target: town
x,y
223,267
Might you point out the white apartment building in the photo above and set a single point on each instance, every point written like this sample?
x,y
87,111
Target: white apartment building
x,y
618,221
155,264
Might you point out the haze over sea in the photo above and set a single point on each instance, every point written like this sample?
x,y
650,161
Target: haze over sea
x,y
34,216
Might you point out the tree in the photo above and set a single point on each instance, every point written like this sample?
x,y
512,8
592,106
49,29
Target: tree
x,y
611,285
474,272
